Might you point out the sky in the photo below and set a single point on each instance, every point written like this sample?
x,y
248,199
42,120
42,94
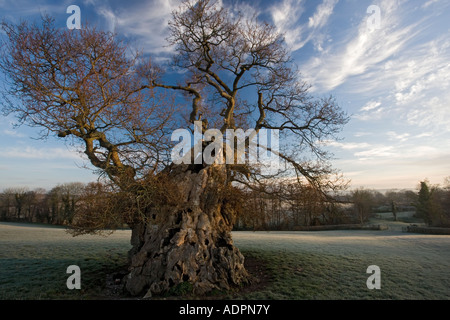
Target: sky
x,y
386,62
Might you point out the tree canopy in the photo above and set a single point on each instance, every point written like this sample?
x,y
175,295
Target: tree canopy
x,y
92,89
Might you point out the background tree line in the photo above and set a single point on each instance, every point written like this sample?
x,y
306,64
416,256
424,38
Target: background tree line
x,y
433,204
286,206
293,205
57,206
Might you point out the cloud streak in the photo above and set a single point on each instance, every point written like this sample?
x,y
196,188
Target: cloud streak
x,y
360,52
29,152
145,23
403,151
287,15
13,133
322,14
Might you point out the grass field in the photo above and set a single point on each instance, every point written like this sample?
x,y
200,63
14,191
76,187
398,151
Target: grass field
x,y
300,265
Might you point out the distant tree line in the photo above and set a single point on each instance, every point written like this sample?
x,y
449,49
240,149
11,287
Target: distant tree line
x,y
286,206
368,203
57,206
433,204
294,205
289,205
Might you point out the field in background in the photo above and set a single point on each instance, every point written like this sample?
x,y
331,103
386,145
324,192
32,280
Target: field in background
x,y
301,265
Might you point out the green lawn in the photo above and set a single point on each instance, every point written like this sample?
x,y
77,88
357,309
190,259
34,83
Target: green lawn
x,y
301,265
34,261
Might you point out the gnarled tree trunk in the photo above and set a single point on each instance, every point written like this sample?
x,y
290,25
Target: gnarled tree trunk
x,y
188,243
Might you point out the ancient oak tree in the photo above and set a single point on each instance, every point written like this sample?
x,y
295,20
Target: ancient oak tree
x,y
88,87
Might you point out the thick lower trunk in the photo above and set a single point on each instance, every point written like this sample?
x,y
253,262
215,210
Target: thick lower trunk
x,y
190,243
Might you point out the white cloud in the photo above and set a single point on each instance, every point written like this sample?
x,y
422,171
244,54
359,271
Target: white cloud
x,y
429,3
39,153
13,133
432,114
421,75
146,23
108,14
422,85
402,69
397,137
354,173
400,154
424,135
286,17
372,114
396,166
246,10
362,134
360,51
322,14
376,152
347,145
28,7
371,105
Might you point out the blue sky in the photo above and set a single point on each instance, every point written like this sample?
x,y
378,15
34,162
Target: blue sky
x,y
393,80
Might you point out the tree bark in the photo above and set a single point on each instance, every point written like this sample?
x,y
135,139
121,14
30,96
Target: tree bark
x,y
188,243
